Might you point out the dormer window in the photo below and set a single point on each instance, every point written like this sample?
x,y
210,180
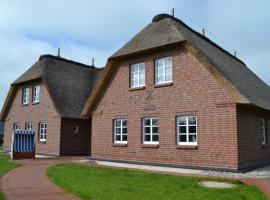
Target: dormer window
x,y
36,93
137,75
163,70
25,96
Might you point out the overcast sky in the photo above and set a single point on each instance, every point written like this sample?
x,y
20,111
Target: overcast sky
x,y
96,28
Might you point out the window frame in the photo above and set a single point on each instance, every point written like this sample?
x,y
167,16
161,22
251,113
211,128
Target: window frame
x,y
164,70
121,131
151,142
36,94
187,125
26,126
263,131
138,74
25,96
42,136
14,126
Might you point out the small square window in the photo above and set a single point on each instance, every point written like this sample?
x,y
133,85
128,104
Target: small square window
x,y
120,131
137,76
187,130
150,131
163,70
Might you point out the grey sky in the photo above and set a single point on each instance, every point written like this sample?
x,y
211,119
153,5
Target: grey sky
x,y
96,28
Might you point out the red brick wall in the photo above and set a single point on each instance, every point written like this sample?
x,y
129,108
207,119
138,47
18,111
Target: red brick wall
x,y
75,143
194,91
35,113
251,151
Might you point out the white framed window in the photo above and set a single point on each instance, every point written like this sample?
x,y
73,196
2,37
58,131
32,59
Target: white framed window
x,y
187,130
263,131
36,93
16,127
120,131
25,96
163,70
137,76
42,132
28,126
150,131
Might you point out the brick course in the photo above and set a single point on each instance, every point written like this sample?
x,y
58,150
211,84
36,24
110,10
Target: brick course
x,y
194,91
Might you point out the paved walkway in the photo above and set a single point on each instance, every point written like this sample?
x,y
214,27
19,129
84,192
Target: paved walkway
x,y
263,184
30,181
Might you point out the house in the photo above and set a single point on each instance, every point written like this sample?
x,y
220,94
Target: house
x,y
48,98
172,97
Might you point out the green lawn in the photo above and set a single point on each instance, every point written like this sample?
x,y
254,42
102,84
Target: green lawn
x,y
5,166
105,183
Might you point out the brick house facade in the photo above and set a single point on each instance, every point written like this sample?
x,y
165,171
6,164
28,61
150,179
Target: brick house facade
x,y
61,97
226,100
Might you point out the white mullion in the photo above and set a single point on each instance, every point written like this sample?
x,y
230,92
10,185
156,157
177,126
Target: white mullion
x,y
151,131
164,72
121,130
187,129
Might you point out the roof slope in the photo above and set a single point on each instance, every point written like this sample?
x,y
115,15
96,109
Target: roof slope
x,y
69,83
165,30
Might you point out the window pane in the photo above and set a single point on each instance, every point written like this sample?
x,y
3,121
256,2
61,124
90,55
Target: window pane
x,y
159,63
192,129
168,62
160,79
191,120
118,123
142,67
142,74
124,130
155,129
124,122
118,137
118,130
135,76
182,129
192,138
182,120
160,71
134,68
147,138
146,122
168,77
142,81
182,138
155,122
134,83
155,138
124,138
147,129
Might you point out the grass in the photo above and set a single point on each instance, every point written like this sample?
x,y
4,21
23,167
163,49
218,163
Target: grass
x,y
105,183
5,166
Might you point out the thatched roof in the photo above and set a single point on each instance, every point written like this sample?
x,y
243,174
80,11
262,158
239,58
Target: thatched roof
x,y
69,83
166,30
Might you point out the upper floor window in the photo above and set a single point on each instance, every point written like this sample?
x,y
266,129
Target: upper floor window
x,y
120,131
16,126
28,126
36,93
150,131
25,96
42,132
137,75
187,130
163,70
263,131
